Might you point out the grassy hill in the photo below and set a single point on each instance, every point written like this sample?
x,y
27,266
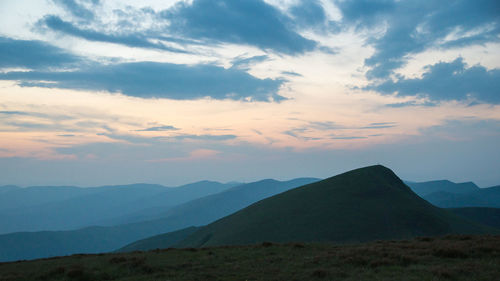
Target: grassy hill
x,y
460,258
364,204
485,216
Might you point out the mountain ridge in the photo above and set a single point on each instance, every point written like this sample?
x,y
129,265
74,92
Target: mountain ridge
x,y
369,203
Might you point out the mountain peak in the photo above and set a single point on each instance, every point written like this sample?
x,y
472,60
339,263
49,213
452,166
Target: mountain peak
x,y
364,204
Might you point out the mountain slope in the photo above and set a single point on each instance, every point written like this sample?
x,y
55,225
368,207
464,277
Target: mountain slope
x,y
425,188
161,241
364,204
483,197
30,245
483,215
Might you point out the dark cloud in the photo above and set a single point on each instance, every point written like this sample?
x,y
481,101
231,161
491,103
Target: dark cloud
x,y
242,22
160,128
448,81
309,13
414,25
157,80
365,13
32,54
76,9
132,40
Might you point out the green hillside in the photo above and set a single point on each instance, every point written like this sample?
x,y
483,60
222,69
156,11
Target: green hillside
x,y
364,204
483,215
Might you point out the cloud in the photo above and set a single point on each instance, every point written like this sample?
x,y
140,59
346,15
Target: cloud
x,y
14,113
245,63
413,26
348,138
132,40
206,137
448,81
157,80
159,128
309,13
410,103
77,9
325,125
32,54
241,22
381,125
291,73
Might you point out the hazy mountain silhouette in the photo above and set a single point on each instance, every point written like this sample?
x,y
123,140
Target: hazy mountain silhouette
x,y
483,197
425,188
364,204
68,208
29,245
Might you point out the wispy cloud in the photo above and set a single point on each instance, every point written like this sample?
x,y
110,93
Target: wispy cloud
x,y
347,137
159,129
77,9
380,125
132,40
205,137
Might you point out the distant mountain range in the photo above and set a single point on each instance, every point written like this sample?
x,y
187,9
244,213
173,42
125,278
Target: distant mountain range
x,y
364,204
360,205
30,245
446,194
68,208
423,189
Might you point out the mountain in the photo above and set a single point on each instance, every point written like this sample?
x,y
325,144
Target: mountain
x,y
425,188
30,245
485,216
483,197
365,204
67,208
161,241
17,197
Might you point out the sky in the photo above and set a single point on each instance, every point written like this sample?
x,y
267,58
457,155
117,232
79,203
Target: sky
x,y
96,92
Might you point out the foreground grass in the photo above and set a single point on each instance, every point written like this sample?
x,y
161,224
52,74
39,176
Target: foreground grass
x,y
443,258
